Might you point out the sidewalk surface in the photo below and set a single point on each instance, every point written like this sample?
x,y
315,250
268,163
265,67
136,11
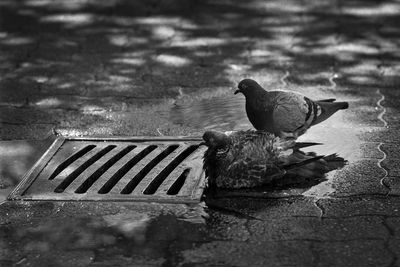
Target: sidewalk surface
x,y
119,67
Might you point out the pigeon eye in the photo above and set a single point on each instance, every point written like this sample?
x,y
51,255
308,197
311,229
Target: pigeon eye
x,y
222,151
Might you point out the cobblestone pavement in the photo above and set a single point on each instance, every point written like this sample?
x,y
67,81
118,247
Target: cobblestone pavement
x,y
86,67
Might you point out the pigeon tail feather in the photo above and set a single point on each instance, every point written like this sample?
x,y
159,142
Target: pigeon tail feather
x,y
299,145
316,166
302,163
332,106
327,100
328,109
342,105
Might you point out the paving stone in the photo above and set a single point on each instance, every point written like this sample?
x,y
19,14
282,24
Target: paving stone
x,y
361,206
302,253
393,243
229,226
16,93
394,225
364,117
245,254
391,94
26,131
392,151
370,150
361,177
24,212
311,72
394,185
270,208
315,228
391,116
23,115
384,135
353,253
393,246
391,165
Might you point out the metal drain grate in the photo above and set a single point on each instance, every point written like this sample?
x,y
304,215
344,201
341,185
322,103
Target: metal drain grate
x,y
143,169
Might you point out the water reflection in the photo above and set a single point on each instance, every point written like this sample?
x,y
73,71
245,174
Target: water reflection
x,y
119,238
224,112
17,157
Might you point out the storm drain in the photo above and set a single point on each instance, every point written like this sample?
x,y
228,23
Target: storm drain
x,y
117,169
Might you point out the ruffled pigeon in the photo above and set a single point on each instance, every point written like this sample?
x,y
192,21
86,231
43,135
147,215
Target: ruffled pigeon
x,y
247,159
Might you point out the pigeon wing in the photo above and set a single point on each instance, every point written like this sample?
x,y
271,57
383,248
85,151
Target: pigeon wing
x,y
253,164
246,173
291,112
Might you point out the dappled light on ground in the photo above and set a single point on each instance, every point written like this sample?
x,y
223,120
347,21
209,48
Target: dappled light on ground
x,y
168,68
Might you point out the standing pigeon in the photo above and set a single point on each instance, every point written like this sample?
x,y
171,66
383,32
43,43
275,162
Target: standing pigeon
x,y
247,159
286,114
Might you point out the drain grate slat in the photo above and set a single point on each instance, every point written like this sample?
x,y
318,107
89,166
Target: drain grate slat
x,y
178,183
167,169
139,177
82,177
109,185
125,179
72,176
141,187
70,160
159,179
196,163
192,162
96,175
66,151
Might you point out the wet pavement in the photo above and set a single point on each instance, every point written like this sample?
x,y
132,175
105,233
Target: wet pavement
x,y
169,68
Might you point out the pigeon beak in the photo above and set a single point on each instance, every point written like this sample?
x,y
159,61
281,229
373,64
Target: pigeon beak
x,y
237,91
203,144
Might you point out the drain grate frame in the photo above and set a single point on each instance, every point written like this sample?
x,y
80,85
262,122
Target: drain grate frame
x,y
150,169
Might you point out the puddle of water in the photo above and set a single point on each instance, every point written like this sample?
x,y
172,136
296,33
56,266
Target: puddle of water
x,y
222,113
227,112
120,239
337,137
17,157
